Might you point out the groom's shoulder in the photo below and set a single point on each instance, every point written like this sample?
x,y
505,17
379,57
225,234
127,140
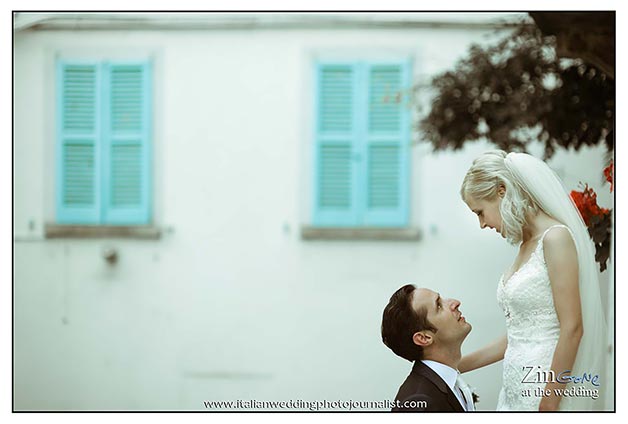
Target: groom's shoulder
x,y
420,393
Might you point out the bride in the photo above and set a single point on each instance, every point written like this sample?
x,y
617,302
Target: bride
x,y
550,295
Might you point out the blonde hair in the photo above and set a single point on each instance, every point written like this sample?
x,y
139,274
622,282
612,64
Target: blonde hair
x,y
484,178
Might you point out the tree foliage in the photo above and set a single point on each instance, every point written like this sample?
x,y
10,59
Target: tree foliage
x,y
518,91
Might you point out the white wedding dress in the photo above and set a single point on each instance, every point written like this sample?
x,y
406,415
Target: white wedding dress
x,y
532,329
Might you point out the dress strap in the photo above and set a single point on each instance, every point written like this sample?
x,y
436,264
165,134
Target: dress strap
x,y
554,226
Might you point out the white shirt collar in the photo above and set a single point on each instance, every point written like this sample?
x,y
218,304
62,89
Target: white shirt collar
x,y
447,373
449,376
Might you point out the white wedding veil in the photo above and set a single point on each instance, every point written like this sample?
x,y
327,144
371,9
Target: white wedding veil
x,y
546,189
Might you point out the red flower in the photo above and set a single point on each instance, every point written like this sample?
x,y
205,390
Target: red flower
x,y
608,173
586,202
597,219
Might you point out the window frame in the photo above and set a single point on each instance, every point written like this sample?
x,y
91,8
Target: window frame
x,y
360,146
104,215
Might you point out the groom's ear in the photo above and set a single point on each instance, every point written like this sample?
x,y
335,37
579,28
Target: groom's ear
x,y
422,338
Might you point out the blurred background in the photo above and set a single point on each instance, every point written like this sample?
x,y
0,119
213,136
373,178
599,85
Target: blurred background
x,y
219,206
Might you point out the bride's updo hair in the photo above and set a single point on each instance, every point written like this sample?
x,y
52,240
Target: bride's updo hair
x,y
487,174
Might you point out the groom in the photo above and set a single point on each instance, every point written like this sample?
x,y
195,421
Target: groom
x,y
420,326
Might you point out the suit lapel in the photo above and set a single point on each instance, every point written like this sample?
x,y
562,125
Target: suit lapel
x,y
427,372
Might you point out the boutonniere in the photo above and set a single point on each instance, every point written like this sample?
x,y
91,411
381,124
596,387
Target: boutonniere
x,y
475,396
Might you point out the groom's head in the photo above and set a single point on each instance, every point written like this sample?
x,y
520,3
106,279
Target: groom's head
x,y
418,321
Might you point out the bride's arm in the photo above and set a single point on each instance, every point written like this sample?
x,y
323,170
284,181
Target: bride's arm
x,y
562,267
489,354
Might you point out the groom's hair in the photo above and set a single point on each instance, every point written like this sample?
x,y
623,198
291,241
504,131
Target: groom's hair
x,y
400,321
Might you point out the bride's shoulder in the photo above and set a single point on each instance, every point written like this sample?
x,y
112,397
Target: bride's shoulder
x,y
558,240
561,257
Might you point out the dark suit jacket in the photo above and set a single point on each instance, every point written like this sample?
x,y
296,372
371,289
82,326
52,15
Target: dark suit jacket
x,y
423,384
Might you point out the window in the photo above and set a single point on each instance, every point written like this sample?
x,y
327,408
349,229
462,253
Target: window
x,y
362,139
103,143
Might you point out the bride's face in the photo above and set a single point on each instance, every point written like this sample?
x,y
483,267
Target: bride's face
x,y
487,212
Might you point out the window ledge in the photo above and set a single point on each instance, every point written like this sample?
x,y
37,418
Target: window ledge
x,y
147,232
333,233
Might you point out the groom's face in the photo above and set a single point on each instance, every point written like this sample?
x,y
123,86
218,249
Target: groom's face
x,y
444,314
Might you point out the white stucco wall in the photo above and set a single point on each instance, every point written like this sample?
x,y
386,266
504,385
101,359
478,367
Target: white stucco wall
x,y
230,303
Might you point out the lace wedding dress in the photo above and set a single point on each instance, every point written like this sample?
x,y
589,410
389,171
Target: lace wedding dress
x,y
532,328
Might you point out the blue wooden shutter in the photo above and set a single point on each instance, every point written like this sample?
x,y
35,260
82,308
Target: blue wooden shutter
x,y
78,143
386,147
126,147
335,171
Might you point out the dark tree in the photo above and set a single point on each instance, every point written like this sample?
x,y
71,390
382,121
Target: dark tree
x,y
517,91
